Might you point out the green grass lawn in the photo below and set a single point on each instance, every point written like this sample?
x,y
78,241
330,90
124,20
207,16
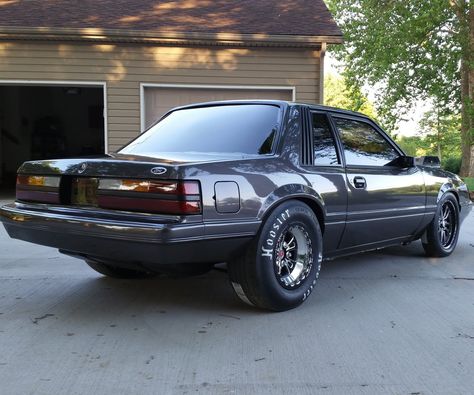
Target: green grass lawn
x,y
470,183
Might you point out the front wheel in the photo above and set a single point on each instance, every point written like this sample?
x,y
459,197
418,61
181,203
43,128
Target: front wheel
x,y
441,236
280,267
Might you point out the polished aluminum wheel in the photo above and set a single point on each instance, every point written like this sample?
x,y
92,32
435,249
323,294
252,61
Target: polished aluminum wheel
x,y
294,257
447,225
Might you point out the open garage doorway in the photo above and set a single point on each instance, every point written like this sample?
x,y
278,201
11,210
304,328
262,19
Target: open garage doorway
x,y
48,122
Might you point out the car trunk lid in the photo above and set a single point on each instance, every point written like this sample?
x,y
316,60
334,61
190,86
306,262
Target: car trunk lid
x,y
113,182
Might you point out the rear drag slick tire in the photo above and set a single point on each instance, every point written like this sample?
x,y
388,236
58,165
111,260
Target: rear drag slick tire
x,y
279,269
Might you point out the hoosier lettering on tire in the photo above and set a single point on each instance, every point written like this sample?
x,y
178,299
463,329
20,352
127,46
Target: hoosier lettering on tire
x,y
280,268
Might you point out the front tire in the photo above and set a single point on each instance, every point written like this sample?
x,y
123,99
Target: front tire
x,y
442,234
112,271
279,269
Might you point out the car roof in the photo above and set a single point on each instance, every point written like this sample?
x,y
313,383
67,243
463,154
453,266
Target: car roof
x,y
279,103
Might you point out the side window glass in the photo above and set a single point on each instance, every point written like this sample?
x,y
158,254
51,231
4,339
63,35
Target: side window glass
x,y
363,145
325,153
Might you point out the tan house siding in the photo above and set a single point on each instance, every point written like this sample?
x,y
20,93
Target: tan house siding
x,y
124,67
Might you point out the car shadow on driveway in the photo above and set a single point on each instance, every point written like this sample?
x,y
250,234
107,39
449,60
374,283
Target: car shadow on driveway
x,y
80,295
97,296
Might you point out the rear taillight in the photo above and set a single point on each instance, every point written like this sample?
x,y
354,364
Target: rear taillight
x,y
41,189
163,197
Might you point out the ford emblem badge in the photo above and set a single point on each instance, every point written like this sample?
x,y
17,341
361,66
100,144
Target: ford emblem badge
x,y
158,171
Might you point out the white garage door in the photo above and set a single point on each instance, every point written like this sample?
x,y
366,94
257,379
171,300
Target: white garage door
x,y
158,100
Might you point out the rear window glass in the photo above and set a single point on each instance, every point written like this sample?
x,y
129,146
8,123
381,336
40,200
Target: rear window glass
x,y
231,129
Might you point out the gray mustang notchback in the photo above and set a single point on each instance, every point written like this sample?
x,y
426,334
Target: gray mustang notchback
x,y
270,187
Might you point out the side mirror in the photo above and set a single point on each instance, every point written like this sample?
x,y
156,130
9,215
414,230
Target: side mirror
x,y
428,161
406,162
402,162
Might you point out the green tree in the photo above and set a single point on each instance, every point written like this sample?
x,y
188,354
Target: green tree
x,y
441,134
412,50
338,94
412,145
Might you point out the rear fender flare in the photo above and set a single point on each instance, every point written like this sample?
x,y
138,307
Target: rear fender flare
x,y
288,192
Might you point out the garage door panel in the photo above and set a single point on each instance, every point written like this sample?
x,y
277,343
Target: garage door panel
x,y
160,100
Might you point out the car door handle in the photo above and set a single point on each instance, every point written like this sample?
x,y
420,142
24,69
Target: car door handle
x,y
360,183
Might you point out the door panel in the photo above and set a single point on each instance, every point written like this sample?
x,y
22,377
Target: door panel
x,y
390,206
385,202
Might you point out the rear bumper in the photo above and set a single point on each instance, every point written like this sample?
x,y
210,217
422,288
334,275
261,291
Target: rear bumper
x,y
149,241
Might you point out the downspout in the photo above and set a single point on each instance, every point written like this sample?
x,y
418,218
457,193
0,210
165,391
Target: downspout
x,y
321,72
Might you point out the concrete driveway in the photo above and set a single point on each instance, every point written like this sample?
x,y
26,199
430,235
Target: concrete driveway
x,y
390,322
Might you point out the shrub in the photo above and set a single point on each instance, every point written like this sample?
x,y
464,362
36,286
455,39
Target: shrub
x,y
470,183
452,164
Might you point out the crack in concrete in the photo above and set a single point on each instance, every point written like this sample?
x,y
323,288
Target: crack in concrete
x,y
37,319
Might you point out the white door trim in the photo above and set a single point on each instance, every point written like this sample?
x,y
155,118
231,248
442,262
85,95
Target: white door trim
x,y
144,85
101,84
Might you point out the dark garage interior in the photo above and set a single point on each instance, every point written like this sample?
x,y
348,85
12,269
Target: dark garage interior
x,y
47,122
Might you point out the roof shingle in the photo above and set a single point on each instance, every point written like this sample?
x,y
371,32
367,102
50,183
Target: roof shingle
x,y
267,17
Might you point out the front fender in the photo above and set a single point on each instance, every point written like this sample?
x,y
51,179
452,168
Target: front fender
x,y
439,182
447,187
